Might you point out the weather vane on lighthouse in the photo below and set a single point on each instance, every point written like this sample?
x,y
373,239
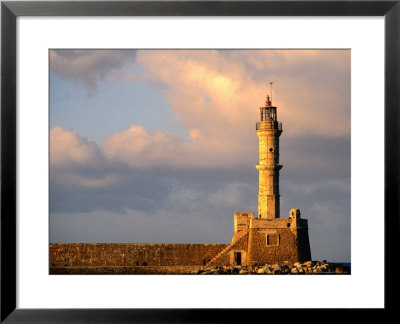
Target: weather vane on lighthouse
x,y
268,102
271,91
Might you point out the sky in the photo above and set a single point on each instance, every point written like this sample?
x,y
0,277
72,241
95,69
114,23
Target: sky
x,y
160,145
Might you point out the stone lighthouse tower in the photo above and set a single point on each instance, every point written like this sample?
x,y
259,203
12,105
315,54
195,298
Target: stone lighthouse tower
x,y
268,238
268,131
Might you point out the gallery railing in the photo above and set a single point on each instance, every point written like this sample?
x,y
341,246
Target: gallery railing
x,y
269,125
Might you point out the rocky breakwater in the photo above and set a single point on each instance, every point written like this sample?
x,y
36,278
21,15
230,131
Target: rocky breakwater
x,y
309,267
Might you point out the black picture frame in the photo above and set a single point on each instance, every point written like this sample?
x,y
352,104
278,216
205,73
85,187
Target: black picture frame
x,y
10,10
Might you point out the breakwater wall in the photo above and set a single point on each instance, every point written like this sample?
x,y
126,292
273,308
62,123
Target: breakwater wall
x,y
131,254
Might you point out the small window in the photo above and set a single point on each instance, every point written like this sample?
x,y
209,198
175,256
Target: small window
x,y
272,239
288,224
271,149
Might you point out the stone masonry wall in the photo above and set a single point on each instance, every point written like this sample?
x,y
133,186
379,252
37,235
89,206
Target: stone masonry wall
x,y
126,270
227,256
131,254
260,253
303,245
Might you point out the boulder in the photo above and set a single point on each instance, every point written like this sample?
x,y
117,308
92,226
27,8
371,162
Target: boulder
x,y
339,270
276,267
308,267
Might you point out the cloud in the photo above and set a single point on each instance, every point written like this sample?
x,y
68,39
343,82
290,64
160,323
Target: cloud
x,y
187,197
137,148
215,96
135,225
219,92
307,158
69,150
184,211
85,181
329,227
154,166
89,66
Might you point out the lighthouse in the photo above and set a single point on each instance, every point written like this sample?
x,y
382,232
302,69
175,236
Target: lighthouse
x,y
268,130
267,238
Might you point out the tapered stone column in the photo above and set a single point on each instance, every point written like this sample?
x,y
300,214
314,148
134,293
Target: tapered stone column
x,y
268,131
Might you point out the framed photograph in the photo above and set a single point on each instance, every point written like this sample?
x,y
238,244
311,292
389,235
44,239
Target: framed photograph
x,y
130,133
142,129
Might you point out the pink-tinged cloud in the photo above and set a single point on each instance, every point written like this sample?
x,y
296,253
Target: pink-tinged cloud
x,y
219,92
137,148
69,150
216,96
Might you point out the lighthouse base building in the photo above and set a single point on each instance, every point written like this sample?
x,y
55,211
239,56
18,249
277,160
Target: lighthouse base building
x,y
266,241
